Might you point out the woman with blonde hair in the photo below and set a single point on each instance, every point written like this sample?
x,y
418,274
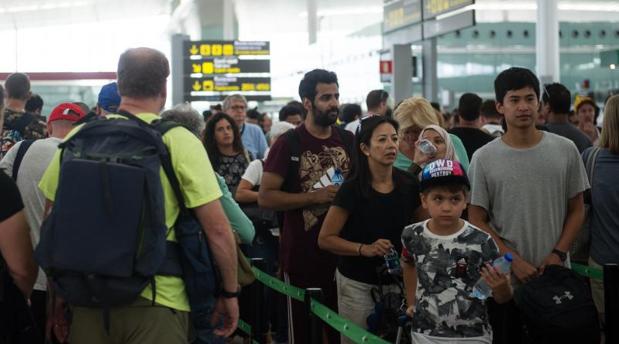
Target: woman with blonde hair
x,y
604,198
414,114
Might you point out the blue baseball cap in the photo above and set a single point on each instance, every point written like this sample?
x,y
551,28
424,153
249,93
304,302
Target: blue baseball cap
x,y
443,171
109,99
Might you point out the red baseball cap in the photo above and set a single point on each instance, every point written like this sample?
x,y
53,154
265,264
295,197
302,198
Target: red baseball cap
x,y
67,112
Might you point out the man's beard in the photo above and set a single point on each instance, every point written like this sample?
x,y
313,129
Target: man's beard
x,y
325,118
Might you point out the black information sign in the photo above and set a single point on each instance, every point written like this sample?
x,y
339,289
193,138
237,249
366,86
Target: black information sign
x,y
213,70
433,8
400,13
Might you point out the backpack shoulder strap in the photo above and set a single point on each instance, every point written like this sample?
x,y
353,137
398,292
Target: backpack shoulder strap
x,y
348,138
21,152
163,126
294,147
590,163
590,160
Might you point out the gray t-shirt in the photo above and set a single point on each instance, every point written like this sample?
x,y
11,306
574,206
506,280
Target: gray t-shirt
x,y
33,165
605,202
526,191
569,131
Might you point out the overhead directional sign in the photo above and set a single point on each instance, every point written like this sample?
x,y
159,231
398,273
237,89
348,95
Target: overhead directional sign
x,y
433,28
400,13
213,70
433,8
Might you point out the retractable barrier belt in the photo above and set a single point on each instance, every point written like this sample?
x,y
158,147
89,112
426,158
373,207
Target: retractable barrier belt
x,y
344,326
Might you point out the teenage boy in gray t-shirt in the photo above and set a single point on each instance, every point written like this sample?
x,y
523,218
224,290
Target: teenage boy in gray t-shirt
x,y
527,187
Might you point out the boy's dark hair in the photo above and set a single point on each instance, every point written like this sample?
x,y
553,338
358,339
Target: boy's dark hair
x,y
17,86
375,97
290,110
142,73
348,112
436,106
452,186
34,103
307,86
558,97
488,109
512,79
469,106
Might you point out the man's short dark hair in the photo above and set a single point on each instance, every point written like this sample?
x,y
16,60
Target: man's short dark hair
x,y
488,109
17,86
375,97
558,97
142,73
254,114
512,79
469,106
35,103
307,87
290,110
348,112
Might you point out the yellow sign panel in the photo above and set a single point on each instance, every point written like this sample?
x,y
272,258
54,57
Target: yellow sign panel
x,y
208,85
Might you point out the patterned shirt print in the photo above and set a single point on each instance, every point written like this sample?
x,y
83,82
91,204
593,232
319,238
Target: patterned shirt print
x,y
19,126
447,269
315,172
231,168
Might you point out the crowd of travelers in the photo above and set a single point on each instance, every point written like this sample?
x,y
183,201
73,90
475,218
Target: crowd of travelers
x,y
400,199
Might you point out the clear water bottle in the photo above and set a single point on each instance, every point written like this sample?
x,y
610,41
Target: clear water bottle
x,y
392,261
503,264
338,177
427,148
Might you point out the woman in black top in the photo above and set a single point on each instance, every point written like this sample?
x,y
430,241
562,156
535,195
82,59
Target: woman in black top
x,y
225,149
367,217
15,244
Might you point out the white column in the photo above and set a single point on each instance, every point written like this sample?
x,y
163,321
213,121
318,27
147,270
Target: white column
x,y
547,41
312,20
228,27
402,72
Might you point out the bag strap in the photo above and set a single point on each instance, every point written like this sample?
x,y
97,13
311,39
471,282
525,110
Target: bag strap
x,y
21,152
293,142
590,168
163,126
590,164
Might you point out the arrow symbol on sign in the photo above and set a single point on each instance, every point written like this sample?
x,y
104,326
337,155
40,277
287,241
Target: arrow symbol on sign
x,y
194,50
196,86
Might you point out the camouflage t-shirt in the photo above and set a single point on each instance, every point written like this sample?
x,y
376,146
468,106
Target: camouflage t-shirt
x,y
447,269
19,126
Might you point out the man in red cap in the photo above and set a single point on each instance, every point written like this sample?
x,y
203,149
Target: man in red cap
x,y
26,161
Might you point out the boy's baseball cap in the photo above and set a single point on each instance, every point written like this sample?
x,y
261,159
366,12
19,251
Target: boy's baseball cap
x,y
109,99
66,112
441,172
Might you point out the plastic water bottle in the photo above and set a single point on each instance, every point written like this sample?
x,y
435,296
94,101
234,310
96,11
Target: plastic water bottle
x,y
427,148
503,264
392,261
338,177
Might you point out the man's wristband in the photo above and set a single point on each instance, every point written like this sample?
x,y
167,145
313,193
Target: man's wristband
x,y
562,255
359,250
229,295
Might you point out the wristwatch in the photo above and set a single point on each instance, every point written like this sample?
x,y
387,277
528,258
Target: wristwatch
x,y
229,295
562,255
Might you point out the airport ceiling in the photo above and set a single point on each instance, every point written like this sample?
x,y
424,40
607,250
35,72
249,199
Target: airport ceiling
x,y
21,14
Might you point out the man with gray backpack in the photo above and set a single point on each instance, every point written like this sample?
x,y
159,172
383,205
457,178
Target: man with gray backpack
x,y
122,191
